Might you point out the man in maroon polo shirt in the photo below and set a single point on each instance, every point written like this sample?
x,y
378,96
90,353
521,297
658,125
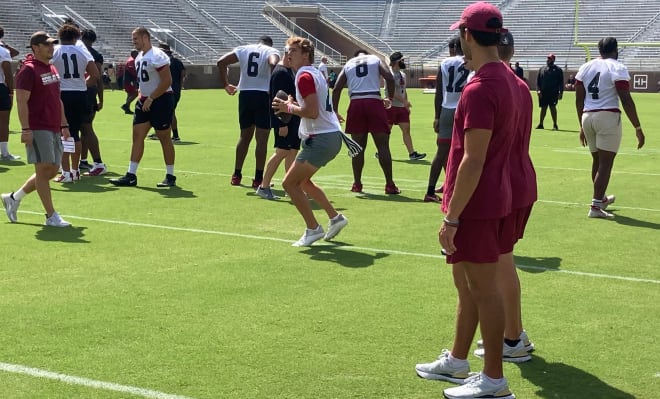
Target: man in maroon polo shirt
x,y
43,125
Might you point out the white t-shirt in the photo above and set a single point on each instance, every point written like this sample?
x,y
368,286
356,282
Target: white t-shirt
x,y
4,57
147,66
454,78
255,70
323,68
399,88
327,121
599,77
363,76
71,62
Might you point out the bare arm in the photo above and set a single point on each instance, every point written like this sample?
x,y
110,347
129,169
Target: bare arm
x,y
99,86
22,97
94,76
631,112
389,79
336,92
165,83
223,63
9,77
12,51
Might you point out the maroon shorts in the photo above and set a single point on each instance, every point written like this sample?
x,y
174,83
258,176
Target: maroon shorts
x,y
396,115
129,88
477,241
366,115
513,228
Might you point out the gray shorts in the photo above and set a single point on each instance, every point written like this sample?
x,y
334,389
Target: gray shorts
x,y
446,123
46,147
320,149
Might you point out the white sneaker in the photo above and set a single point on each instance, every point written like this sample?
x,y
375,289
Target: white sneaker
x,y
529,345
9,157
309,237
596,212
334,226
513,354
11,206
607,201
55,220
65,177
478,386
75,175
98,170
444,369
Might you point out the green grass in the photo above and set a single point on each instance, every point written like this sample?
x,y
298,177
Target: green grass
x,y
196,291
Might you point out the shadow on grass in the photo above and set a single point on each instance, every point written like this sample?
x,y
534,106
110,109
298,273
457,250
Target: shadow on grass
x,y
18,162
71,234
338,253
87,185
170,192
413,162
387,197
537,265
628,221
559,380
178,143
3,169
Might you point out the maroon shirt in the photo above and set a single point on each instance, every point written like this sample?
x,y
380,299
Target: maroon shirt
x,y
486,103
43,83
523,175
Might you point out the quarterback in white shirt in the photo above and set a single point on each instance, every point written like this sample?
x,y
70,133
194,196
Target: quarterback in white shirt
x,y
600,84
256,62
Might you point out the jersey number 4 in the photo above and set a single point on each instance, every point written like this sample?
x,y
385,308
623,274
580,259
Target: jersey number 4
x,y
592,88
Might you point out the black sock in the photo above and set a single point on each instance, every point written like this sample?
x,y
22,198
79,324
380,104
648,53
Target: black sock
x,y
97,160
237,172
511,342
430,190
259,175
175,133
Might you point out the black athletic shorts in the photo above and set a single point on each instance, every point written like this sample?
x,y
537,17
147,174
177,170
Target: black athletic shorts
x,y
75,109
176,96
159,115
92,105
548,98
5,98
254,109
291,141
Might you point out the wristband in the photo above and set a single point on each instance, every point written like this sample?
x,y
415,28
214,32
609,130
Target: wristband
x,y
289,108
452,223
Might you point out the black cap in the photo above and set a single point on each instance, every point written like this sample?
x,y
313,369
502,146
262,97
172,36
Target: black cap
x,y
506,39
41,37
396,56
165,47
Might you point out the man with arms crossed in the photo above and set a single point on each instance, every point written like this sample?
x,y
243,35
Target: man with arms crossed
x,y
256,62
43,123
477,198
366,112
321,135
153,109
600,83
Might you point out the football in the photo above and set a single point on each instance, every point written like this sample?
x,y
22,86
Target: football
x,y
283,116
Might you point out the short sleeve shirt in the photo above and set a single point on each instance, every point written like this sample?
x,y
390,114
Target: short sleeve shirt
x,y
147,66
363,76
454,78
43,83
599,77
71,62
255,69
309,81
4,57
486,104
399,88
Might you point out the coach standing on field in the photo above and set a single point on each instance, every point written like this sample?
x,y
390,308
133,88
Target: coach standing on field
x,y
550,89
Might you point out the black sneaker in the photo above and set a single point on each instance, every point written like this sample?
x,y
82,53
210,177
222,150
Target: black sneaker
x,y
169,181
176,139
540,126
127,109
415,156
555,127
85,165
153,136
129,179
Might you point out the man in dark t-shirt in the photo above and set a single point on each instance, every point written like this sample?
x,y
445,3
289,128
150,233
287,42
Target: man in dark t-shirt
x,y
178,71
550,89
89,138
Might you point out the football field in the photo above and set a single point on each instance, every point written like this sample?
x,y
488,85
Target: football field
x,y
195,292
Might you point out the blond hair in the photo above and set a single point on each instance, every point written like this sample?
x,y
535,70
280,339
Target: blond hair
x,y
305,46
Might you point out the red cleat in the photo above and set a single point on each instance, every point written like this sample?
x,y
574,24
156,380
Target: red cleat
x,y
236,180
440,189
357,188
432,198
256,183
392,189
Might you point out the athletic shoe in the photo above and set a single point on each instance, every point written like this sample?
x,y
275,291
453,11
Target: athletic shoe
x,y
236,180
529,345
169,181
392,189
334,226
153,136
256,183
11,206
309,237
440,189
85,165
432,198
596,212
415,156
65,177
479,386
607,201
127,109
9,157
55,220
513,354
444,369
540,126
129,179
75,175
555,127
357,188
376,155
176,140
98,170
266,193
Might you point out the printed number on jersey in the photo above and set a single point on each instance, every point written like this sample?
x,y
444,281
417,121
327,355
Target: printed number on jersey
x,y
456,80
252,65
592,88
142,72
74,66
361,70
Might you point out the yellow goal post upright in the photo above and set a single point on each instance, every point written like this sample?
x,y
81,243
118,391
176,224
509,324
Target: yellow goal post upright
x,y
587,45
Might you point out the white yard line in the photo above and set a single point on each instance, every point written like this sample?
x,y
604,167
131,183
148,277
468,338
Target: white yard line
x,y
86,382
376,250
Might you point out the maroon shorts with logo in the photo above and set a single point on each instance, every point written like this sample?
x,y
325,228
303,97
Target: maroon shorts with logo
x,y
477,241
366,115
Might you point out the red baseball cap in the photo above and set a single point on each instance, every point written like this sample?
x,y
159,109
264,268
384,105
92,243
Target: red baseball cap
x,y
482,17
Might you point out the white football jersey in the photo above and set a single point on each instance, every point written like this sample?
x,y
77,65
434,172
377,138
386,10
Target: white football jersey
x,y
255,70
4,57
147,66
71,62
599,77
327,121
454,78
363,76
